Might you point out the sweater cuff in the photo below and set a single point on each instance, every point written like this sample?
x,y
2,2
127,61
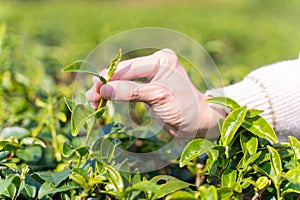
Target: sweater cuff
x,y
248,92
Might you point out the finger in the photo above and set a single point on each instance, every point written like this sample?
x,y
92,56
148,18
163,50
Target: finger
x,y
93,94
130,91
142,67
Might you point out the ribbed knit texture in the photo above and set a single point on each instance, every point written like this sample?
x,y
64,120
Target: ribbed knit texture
x,y
275,89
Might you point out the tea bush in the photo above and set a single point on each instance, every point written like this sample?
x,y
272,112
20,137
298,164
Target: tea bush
x,y
40,156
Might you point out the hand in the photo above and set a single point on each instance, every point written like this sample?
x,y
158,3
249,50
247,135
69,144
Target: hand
x,y
168,92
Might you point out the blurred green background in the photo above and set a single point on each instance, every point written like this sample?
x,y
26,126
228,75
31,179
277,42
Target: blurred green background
x,y
239,35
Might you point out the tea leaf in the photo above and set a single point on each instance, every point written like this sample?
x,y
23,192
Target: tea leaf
x,y
10,191
260,127
46,189
224,193
224,101
291,188
5,183
209,193
55,178
262,182
78,176
249,143
68,150
253,113
82,115
181,195
169,187
231,124
30,190
293,175
33,141
194,149
82,66
30,153
15,131
115,178
295,146
165,178
275,162
114,64
70,104
229,180
144,186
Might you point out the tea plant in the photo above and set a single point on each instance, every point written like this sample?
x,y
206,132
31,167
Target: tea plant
x,y
43,156
246,162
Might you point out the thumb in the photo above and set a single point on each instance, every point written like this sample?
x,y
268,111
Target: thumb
x,y
123,90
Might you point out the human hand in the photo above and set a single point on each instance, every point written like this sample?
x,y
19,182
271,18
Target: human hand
x,y
168,92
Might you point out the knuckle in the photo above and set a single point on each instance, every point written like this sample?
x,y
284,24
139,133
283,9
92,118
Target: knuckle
x,y
168,57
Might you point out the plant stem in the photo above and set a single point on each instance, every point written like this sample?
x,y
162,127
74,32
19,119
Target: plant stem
x,y
278,192
88,135
53,130
100,103
79,161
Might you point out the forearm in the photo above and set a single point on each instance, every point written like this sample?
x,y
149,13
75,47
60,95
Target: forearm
x,y
275,89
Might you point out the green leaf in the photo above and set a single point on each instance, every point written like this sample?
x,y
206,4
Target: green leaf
x,y
253,113
247,161
30,153
115,178
194,149
114,64
55,178
15,131
33,141
224,101
209,193
165,178
144,186
10,191
295,146
267,169
290,188
5,183
47,189
170,187
95,180
293,176
82,66
70,104
229,180
68,150
275,161
79,177
4,154
10,164
249,143
262,182
260,127
231,124
61,116
181,195
224,193
229,177
82,115
30,190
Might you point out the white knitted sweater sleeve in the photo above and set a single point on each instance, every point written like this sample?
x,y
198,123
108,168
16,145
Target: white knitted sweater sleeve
x,y
275,89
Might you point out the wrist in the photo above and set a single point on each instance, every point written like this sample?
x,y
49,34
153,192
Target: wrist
x,y
210,114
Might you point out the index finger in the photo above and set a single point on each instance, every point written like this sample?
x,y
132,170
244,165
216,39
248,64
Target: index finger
x,y
141,67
